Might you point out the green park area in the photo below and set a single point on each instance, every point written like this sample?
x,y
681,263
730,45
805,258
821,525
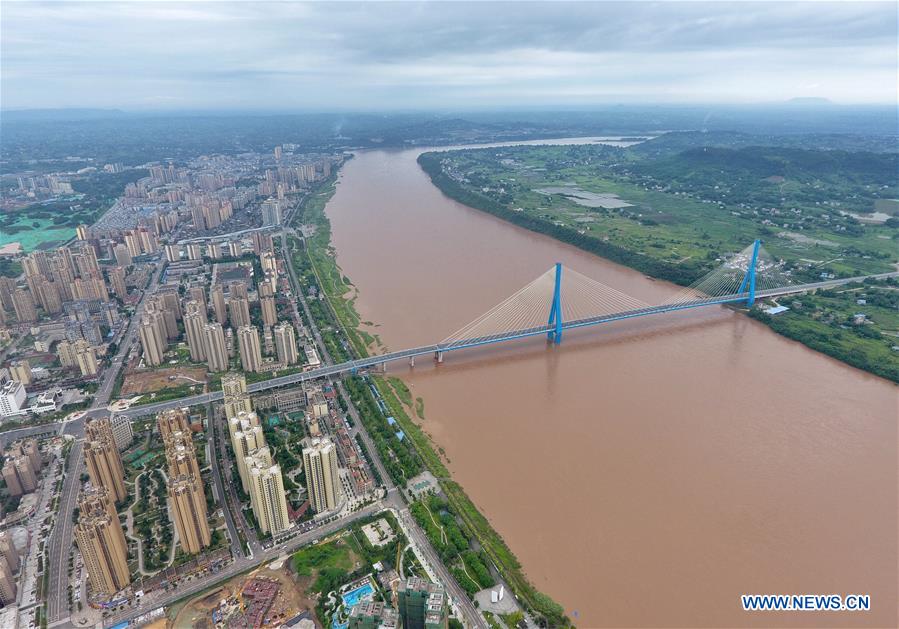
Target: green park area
x,y
328,566
53,221
30,233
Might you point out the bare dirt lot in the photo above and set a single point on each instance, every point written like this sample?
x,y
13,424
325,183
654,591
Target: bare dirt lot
x,y
290,600
158,379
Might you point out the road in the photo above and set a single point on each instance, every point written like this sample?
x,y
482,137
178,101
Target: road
x,y
472,618
393,501
221,496
228,483
239,565
331,369
127,341
61,539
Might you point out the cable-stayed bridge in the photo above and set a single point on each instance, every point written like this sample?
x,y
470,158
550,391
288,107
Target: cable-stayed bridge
x,y
562,299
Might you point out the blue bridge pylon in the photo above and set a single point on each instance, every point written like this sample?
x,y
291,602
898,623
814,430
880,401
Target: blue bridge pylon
x,y
555,311
749,278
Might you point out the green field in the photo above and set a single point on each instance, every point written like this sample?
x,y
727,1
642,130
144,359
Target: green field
x,y
676,215
828,322
24,232
56,219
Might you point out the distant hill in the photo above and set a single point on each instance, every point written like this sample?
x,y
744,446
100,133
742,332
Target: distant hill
x,y
40,115
810,100
755,163
678,141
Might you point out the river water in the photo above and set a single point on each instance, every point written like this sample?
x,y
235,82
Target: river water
x,y
646,472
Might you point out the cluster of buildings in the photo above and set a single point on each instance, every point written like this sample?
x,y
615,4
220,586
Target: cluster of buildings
x,y
98,532
9,566
219,324
260,476
68,302
209,191
420,605
187,496
52,279
22,464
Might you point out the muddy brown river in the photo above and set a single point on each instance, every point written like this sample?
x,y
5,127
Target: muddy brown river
x,y
646,472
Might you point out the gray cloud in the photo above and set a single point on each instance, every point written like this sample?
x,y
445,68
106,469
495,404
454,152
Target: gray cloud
x,y
283,55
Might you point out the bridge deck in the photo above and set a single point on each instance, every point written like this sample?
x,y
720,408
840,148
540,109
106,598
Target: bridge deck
x,y
371,361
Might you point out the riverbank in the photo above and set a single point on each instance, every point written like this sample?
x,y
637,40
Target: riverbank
x,y
868,351
342,332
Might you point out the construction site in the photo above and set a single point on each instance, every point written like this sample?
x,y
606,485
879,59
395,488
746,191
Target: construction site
x,y
265,597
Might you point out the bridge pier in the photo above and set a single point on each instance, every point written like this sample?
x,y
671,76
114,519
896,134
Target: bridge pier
x,y
412,361
438,357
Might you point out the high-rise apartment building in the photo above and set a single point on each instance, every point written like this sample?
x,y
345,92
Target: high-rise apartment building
x,y
286,343
8,586
8,551
216,348
422,604
172,253
322,476
373,615
30,449
104,465
9,565
238,289
267,497
194,322
20,371
267,305
181,455
239,311
246,438
101,541
217,297
153,338
235,396
18,474
198,294
86,358
262,241
117,282
132,241
24,306
189,512
171,421
250,351
122,432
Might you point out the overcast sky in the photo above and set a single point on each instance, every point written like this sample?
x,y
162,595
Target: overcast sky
x,y
408,55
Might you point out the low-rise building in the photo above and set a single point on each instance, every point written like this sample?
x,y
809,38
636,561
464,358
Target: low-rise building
x,y
12,398
20,370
